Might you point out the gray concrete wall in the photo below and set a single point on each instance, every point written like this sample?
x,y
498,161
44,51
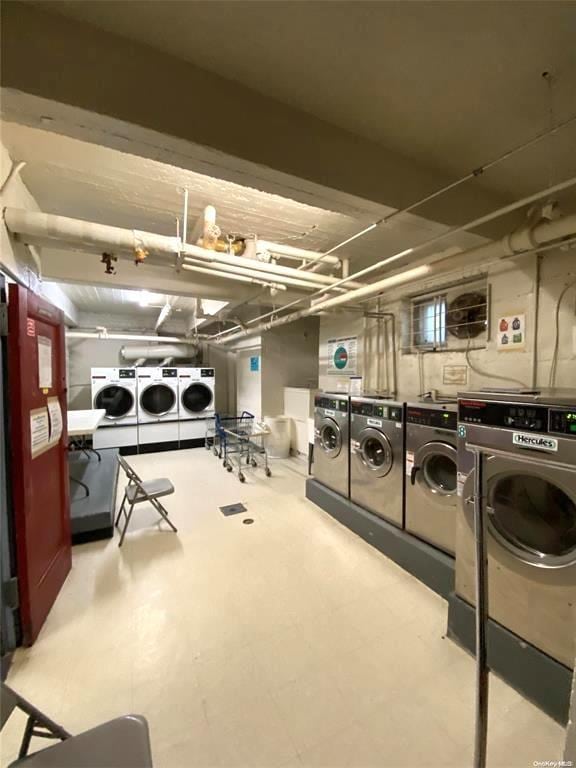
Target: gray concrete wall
x,y
512,290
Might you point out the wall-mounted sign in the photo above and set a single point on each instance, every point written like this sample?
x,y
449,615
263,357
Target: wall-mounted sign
x,y
342,355
511,333
255,363
457,375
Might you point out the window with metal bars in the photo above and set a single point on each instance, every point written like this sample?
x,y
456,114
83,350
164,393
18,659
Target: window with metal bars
x,y
429,322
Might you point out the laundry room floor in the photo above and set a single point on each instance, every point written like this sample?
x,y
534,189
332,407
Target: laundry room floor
x,y
286,643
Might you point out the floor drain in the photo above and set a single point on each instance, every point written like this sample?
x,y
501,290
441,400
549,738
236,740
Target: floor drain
x,y
232,509
248,521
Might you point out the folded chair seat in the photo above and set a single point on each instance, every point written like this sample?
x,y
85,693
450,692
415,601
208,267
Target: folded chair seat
x,y
160,486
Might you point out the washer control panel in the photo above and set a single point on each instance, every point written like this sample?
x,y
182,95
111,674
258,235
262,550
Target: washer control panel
x,y
431,417
517,416
375,410
331,403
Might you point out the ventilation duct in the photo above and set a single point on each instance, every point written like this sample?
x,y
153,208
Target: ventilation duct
x,y
160,351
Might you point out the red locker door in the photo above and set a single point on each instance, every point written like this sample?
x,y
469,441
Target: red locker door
x,y
37,396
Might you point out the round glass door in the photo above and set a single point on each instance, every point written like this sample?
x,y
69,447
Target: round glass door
x,y
116,401
534,517
196,398
436,469
375,452
330,438
157,399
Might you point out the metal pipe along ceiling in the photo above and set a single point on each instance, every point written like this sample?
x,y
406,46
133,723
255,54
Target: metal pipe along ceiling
x,y
553,230
48,229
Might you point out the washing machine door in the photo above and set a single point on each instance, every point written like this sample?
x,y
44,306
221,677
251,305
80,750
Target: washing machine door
x,y
330,437
374,452
197,397
435,471
531,510
116,400
157,400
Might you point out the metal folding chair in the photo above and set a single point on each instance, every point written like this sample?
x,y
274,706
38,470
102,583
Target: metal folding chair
x,y
124,741
138,491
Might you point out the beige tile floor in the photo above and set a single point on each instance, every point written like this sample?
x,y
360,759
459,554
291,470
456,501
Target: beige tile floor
x,y
285,643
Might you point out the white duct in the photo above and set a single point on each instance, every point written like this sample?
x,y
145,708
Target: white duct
x,y
74,234
160,351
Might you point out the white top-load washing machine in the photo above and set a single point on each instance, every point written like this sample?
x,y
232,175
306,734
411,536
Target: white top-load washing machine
x,y
196,403
530,488
115,390
157,408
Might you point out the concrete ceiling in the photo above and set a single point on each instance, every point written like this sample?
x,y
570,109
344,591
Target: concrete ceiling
x,y
448,85
95,183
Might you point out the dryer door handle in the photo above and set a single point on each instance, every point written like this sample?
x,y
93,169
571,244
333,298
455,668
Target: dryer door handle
x,y
413,472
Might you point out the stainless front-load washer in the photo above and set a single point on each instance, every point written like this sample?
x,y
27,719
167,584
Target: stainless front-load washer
x,y
530,441
376,456
331,430
431,498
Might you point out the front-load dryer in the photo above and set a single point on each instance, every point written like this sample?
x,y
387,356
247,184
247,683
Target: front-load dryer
x,y
196,404
376,456
116,391
431,498
157,408
531,521
331,433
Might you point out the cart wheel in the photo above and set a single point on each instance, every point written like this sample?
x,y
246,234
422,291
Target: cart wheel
x,y
268,472
219,454
248,461
228,467
215,452
241,477
254,463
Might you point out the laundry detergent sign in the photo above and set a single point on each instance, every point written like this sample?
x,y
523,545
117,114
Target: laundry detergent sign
x,y
340,358
538,442
342,355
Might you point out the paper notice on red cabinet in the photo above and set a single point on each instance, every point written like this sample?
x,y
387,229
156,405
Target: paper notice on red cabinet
x,y
39,431
55,413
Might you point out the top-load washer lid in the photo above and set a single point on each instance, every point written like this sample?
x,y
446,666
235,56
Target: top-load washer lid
x,y
531,511
197,397
435,468
330,437
116,400
157,399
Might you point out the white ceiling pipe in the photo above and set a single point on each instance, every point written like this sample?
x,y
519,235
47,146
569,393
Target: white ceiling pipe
x,y
103,335
293,252
159,351
548,192
236,278
388,282
522,241
51,230
203,222
229,269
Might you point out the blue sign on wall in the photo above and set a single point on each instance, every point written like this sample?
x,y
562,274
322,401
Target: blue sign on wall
x,y
255,363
